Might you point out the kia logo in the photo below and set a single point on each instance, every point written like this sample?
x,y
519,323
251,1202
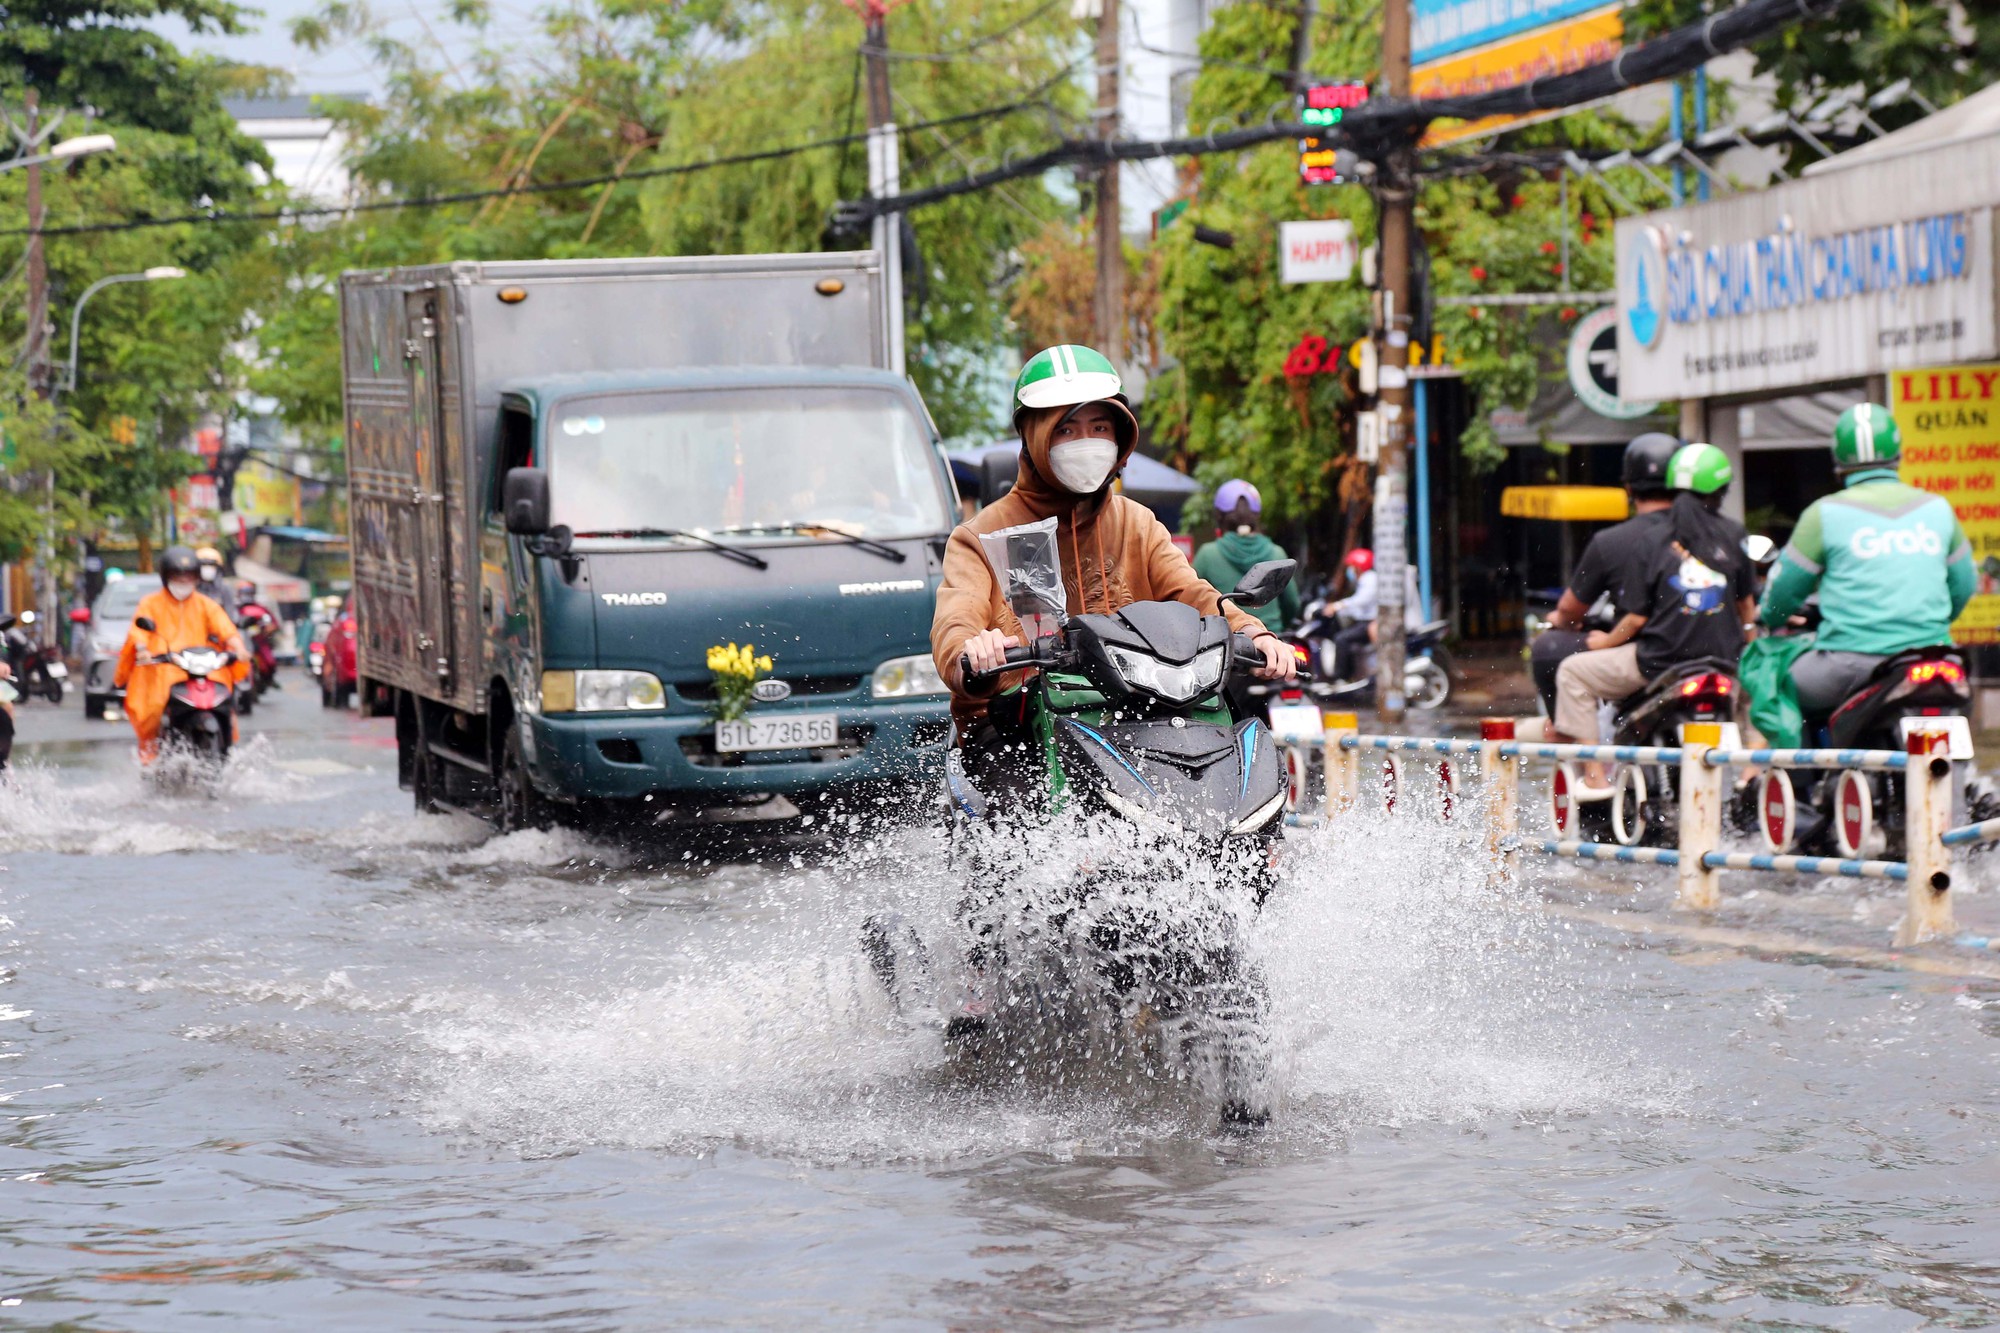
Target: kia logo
x,y
770,691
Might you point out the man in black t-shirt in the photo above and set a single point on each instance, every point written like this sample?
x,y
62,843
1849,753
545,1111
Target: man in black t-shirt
x,y
1621,550
1690,601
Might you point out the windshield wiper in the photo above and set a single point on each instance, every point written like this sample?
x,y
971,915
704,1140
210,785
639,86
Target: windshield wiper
x,y
845,538
736,553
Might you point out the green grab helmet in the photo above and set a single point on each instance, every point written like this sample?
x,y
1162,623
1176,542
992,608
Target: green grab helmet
x,y
1064,376
1866,436
1701,468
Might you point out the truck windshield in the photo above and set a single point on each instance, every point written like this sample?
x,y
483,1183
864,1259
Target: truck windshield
x,y
796,460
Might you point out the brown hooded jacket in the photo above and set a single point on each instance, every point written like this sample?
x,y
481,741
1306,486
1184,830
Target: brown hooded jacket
x,y
1114,552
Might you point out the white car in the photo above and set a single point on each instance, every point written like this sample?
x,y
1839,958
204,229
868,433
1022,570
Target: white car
x,y
110,618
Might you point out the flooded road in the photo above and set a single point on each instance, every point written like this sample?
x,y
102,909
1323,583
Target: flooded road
x,y
296,1057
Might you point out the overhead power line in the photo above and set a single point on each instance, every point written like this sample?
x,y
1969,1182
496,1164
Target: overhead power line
x,y
1375,125
1032,102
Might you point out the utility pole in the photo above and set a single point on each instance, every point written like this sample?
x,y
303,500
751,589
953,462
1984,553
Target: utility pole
x,y
1109,307
37,361
1302,39
884,173
37,358
1395,196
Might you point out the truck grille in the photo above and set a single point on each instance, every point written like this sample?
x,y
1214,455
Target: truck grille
x,y
703,691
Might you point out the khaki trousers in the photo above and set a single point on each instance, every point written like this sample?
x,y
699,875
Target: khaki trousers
x,y
1585,679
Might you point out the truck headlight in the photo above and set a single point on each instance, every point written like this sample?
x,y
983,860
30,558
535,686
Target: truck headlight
x,y
906,678
601,691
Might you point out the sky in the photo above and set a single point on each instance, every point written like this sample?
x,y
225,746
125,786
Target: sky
x,y
342,69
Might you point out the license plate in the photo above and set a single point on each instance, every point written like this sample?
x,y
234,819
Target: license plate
x,y
1297,722
788,731
1958,728
58,670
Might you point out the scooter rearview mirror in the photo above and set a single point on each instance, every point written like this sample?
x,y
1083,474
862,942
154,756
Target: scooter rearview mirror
x,y
1263,581
144,623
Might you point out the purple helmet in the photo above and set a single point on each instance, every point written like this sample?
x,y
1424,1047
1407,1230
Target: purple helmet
x,y
1234,491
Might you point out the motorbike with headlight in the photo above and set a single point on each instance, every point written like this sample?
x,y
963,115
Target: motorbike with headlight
x,y
1128,721
200,717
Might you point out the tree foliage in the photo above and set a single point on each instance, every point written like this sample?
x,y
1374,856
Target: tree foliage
x,y
157,354
623,86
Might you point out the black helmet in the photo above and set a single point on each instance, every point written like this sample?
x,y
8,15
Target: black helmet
x,y
177,560
1646,462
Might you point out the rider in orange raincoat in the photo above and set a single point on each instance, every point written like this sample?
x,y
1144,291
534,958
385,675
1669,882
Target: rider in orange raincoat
x,y
182,618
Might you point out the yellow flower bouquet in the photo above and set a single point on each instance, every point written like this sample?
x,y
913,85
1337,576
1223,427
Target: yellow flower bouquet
x,y
736,671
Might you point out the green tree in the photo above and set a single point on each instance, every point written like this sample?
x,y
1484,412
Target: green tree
x,y
632,86
157,353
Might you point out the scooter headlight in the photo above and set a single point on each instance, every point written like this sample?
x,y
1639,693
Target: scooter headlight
x,y
1175,684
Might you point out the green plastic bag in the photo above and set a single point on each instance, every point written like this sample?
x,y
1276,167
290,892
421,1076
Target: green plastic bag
x,y
1766,672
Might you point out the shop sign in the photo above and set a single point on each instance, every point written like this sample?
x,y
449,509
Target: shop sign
x,y
1950,418
1593,367
1323,251
1859,271
1442,27
1560,48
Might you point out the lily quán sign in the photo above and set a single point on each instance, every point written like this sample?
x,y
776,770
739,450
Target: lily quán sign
x,y
1855,272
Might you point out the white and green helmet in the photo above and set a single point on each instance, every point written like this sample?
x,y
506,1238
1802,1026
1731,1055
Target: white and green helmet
x,y
1065,376
1701,468
1866,436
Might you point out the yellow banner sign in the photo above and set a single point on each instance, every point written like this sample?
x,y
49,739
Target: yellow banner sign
x,y
1950,418
1560,48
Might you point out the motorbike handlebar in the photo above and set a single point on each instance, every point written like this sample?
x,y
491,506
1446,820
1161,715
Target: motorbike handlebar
x,y
1247,657
1027,655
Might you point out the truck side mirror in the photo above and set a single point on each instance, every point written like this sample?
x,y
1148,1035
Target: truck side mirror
x,y
998,471
1263,581
524,499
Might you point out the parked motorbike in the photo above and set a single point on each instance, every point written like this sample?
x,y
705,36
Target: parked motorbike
x,y
1426,673
1127,722
38,667
200,717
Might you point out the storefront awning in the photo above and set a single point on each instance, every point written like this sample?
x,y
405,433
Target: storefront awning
x,y
1565,504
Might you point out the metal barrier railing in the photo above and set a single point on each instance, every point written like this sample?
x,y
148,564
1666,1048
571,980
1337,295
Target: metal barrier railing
x,y
1700,761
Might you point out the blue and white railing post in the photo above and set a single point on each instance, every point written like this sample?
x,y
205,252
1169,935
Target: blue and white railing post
x,y
1700,817
1927,784
1500,778
1343,763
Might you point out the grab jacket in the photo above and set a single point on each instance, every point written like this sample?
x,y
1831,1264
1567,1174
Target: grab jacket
x,y
1891,563
1114,552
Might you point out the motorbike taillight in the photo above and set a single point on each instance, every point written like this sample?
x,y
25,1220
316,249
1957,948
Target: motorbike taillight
x,y
1712,682
1923,673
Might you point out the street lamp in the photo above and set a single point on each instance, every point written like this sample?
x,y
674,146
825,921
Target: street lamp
x,y
159,273
81,146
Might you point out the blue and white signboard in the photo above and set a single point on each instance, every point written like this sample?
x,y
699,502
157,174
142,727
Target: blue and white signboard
x,y
1846,273
1445,27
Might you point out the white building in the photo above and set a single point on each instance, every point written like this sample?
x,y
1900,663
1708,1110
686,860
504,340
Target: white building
x,y
1159,40
306,148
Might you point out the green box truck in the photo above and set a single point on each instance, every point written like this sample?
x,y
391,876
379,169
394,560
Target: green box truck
x,y
570,479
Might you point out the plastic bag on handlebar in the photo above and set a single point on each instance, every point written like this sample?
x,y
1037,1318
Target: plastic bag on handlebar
x,y
1026,562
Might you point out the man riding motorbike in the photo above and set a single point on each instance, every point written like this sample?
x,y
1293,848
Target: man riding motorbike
x,y
1238,545
1691,600
1077,431
1890,563
1612,555
213,586
182,618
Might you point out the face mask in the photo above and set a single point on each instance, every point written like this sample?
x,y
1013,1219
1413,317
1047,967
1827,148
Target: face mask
x,y
208,573
1083,465
181,591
